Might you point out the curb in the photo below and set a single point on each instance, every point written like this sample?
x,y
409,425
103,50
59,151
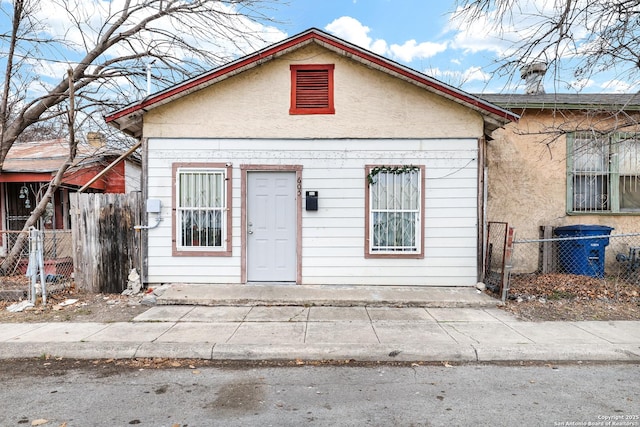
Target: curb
x,y
362,353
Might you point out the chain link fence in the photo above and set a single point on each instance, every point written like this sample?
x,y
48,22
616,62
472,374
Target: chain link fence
x,y
586,254
58,263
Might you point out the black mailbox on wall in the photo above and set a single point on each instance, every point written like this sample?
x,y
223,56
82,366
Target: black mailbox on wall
x,y
311,200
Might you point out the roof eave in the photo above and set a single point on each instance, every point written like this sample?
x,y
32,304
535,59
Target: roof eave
x,y
568,106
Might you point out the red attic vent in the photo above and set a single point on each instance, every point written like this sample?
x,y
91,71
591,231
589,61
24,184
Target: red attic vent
x,y
312,89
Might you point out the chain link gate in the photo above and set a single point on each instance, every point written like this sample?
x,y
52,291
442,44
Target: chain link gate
x,y
57,253
498,257
558,257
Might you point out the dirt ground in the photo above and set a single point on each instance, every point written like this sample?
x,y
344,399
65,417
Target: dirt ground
x,y
568,297
60,307
546,297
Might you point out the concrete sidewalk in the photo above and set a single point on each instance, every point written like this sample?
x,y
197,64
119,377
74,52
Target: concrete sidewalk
x,y
360,333
326,295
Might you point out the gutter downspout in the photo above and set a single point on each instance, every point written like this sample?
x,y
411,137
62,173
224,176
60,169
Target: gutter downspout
x,y
111,165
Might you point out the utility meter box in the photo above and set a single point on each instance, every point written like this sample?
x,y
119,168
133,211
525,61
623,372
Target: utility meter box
x,y
154,205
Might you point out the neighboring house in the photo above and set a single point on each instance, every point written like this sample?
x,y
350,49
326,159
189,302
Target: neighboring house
x,y
30,166
570,159
313,161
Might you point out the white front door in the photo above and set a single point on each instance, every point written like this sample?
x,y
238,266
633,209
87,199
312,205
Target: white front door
x,y
271,226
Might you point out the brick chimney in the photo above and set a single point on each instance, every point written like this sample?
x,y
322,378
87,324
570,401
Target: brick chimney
x,y
95,139
533,75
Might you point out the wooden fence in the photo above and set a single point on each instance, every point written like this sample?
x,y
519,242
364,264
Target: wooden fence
x,y
105,245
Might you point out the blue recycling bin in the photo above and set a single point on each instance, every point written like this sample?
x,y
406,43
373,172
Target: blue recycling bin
x,y
583,256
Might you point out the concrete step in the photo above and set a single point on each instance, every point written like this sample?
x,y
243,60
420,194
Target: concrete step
x,y
324,295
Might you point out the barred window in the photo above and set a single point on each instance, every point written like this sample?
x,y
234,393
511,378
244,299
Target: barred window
x,y
201,211
604,173
395,211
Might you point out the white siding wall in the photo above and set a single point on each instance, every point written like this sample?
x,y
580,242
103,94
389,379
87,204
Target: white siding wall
x,y
132,176
333,237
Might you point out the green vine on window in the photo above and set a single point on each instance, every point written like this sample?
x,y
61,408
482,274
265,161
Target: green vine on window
x,y
390,169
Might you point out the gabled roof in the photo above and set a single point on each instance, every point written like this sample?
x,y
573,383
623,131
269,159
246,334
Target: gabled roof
x,y
129,118
567,101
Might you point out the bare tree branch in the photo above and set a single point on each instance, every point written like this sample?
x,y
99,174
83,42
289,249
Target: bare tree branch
x,y
111,44
586,36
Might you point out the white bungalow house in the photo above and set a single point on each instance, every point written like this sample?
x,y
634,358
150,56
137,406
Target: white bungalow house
x,y
313,161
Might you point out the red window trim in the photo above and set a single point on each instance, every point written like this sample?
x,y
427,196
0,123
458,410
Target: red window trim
x,y
327,107
195,253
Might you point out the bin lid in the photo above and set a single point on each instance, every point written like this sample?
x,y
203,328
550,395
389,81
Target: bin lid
x,y
584,228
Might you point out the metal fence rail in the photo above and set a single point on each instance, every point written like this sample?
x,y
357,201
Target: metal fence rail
x,y
600,257
58,261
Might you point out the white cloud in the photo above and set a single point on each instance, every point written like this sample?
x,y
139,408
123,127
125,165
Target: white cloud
x,y
92,17
72,28
379,46
458,78
353,31
581,84
618,86
473,37
411,50
501,33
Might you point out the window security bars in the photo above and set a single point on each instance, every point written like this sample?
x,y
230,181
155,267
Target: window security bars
x,y
395,211
201,207
604,172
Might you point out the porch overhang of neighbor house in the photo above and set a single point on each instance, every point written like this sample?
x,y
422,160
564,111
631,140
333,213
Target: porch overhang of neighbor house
x,y
129,118
30,166
39,161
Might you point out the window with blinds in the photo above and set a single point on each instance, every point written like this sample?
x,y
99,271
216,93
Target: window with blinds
x,y
312,89
604,172
201,211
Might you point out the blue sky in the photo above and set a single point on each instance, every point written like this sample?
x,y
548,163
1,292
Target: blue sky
x,y
421,34
418,33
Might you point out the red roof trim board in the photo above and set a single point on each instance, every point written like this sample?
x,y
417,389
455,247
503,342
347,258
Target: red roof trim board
x,y
317,35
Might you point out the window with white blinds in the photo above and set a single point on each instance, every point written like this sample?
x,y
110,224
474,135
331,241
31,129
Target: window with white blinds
x,y
201,208
604,172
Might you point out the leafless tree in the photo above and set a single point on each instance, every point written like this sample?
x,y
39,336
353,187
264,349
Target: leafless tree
x,y
108,46
585,36
105,49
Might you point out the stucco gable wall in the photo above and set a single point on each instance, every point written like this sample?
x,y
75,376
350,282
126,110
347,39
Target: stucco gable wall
x,y
526,175
368,103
